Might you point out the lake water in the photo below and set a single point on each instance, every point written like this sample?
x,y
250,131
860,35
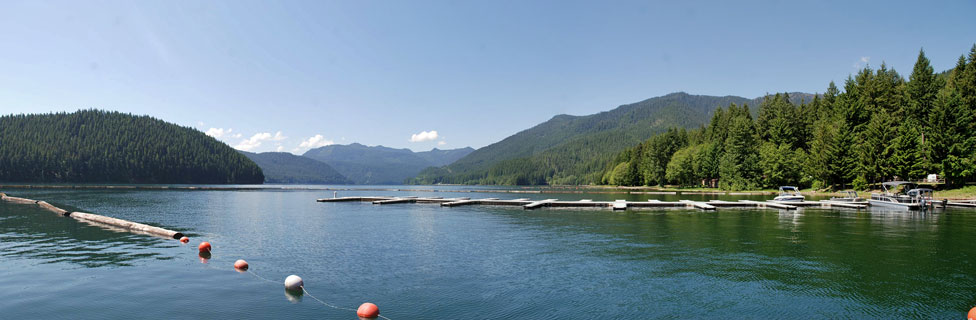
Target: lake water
x,y
419,261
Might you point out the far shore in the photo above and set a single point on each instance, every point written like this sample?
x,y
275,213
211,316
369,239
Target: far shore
x,y
964,193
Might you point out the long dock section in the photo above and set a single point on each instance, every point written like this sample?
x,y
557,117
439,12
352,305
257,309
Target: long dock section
x,y
587,203
97,219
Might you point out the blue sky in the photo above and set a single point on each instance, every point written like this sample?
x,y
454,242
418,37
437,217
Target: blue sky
x,y
288,75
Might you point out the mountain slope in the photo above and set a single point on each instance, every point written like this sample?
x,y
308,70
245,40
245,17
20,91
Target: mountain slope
x,y
573,149
438,157
92,146
283,167
379,164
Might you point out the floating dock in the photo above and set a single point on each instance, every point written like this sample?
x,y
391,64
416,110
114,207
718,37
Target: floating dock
x,y
529,204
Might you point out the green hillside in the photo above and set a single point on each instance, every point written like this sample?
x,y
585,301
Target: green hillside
x,y
878,127
92,146
575,149
283,167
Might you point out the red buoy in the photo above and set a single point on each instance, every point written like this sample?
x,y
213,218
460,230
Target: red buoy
x,y
240,265
368,310
204,246
184,239
972,313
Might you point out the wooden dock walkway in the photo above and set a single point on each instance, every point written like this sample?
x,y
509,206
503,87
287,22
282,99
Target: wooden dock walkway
x,y
529,204
964,204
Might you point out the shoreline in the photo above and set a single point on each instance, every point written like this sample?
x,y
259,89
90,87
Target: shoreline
x,y
964,193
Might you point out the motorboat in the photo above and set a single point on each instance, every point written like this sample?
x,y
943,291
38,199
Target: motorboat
x,y
903,195
789,194
849,196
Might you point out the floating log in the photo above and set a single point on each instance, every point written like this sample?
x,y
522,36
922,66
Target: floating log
x,y
49,207
126,224
103,220
19,200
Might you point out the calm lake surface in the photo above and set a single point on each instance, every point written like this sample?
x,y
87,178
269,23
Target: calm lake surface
x,y
420,261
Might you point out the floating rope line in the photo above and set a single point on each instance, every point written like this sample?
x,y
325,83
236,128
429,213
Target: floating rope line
x,y
260,277
325,303
310,295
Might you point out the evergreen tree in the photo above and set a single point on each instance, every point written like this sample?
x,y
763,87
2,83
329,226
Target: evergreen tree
x,y
738,168
877,149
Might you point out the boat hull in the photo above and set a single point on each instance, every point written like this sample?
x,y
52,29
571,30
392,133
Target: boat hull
x,y
789,198
889,204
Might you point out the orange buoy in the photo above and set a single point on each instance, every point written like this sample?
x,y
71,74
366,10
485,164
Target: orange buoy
x,y
972,313
240,264
368,310
184,239
204,246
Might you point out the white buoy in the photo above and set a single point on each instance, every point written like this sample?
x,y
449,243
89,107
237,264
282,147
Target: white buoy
x,y
294,283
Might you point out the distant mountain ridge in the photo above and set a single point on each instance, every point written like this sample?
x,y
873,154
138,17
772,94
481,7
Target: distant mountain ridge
x,y
287,168
382,165
574,149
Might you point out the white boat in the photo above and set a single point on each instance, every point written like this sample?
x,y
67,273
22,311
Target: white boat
x,y
789,194
908,197
850,196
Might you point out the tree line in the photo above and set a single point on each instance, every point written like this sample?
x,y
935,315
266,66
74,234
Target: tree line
x,y
879,127
93,146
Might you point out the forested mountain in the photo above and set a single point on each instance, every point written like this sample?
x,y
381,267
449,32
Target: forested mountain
x,y
111,147
380,165
575,149
438,157
283,167
881,127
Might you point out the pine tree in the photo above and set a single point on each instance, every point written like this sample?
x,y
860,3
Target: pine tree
x,y
877,148
823,152
923,86
738,168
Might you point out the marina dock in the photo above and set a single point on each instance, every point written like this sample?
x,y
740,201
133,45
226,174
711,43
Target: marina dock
x,y
529,204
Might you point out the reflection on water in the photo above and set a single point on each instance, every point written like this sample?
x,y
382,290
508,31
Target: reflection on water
x,y
29,232
423,261
294,296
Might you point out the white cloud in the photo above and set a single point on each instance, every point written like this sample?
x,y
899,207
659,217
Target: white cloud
x,y
424,136
256,140
862,62
441,143
280,148
315,142
200,124
219,132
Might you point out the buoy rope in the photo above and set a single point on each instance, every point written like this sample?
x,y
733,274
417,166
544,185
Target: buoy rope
x,y
310,295
305,291
325,303
260,277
